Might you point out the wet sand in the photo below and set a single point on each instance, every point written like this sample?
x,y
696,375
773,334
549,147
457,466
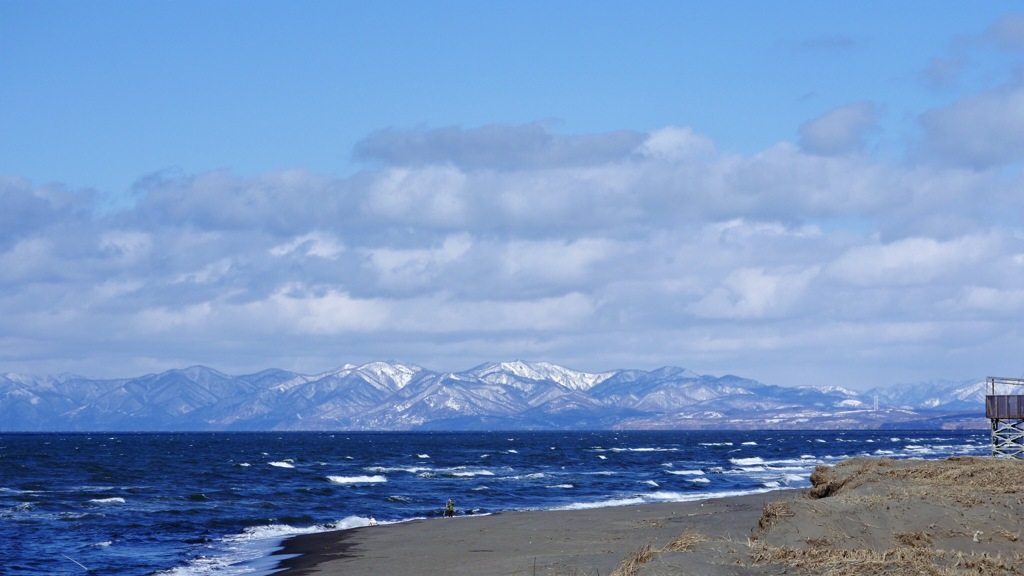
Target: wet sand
x,y
863,516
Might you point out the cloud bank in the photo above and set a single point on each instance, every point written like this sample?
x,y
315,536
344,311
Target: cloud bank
x,y
807,264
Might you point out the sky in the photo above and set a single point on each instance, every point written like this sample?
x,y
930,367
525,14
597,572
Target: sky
x,y
803,193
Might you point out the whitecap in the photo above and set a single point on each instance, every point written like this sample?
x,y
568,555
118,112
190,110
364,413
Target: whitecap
x,y
423,455
409,469
602,456
686,472
747,461
650,483
115,500
358,479
563,486
470,474
602,504
282,464
700,480
750,443
645,449
531,476
511,451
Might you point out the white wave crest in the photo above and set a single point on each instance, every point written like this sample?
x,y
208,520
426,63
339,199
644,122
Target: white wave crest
x,y
282,464
686,472
115,500
409,469
645,449
747,461
358,479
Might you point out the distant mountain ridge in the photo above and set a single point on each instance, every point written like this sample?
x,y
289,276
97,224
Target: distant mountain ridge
x,y
512,395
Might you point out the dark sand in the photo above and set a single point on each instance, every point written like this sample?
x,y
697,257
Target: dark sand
x,y
863,516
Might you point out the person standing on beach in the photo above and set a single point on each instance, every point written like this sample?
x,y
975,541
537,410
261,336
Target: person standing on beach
x,y
449,509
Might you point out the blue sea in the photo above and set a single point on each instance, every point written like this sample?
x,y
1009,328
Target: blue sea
x,y
220,503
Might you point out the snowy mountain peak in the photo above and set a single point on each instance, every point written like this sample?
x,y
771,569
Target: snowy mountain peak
x,y
830,389
396,374
500,373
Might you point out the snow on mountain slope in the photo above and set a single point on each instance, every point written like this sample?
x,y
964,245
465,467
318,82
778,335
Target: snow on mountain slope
x,y
517,394
507,372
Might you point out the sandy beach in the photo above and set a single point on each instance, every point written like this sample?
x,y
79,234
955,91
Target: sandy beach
x,y
962,515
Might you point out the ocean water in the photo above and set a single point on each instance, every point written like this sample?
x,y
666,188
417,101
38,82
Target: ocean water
x,y
219,503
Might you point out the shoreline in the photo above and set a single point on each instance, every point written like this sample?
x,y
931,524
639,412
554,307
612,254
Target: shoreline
x,y
960,515
520,542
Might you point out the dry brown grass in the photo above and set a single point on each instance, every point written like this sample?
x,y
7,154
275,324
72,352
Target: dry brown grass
x,y
771,513
898,560
873,486
818,542
829,481
631,564
688,539
1011,536
916,539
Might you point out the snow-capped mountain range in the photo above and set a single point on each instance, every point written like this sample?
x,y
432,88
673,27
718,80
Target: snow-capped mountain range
x,y
494,396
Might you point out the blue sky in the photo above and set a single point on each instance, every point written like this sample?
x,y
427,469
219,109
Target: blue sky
x,y
798,192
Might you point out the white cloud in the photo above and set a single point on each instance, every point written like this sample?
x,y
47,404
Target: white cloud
x,y
417,267
754,293
979,131
841,130
312,244
911,261
666,251
130,246
995,300
677,143
432,195
554,261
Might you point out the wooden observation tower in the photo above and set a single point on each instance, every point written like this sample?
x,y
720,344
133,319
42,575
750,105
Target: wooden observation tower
x,y
1006,411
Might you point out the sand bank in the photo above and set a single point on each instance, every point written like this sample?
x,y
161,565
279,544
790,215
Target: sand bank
x,y
863,516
